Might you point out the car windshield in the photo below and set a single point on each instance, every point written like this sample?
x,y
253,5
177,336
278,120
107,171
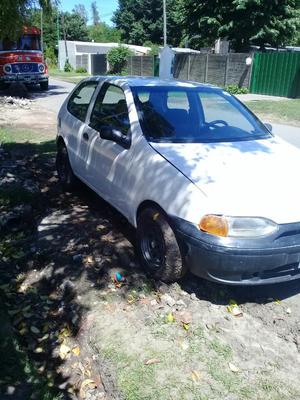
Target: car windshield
x,y
197,115
26,42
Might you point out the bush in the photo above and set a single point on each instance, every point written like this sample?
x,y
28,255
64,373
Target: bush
x,y
117,58
50,57
81,70
68,67
235,89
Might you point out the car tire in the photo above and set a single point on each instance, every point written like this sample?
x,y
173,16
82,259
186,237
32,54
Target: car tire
x,y
157,246
64,170
44,85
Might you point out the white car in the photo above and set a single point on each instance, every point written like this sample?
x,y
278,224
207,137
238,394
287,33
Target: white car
x,y
206,184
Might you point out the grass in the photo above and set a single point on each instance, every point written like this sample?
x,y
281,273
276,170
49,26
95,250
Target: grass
x,y
27,141
281,111
72,77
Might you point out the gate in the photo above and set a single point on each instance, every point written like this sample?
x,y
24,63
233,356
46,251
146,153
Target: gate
x,y
98,64
276,74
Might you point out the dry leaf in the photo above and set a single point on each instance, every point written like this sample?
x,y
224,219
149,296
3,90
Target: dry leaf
x,y
170,317
186,327
152,361
86,384
233,368
34,329
64,350
39,350
76,350
195,376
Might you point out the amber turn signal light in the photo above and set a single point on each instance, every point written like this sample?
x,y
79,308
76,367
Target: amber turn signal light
x,y
214,224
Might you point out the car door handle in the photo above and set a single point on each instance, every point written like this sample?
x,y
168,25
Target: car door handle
x,y
85,136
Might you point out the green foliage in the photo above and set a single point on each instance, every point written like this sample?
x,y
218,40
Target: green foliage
x,y
235,89
141,21
81,70
244,22
15,14
68,67
50,56
81,10
117,58
154,48
75,26
104,33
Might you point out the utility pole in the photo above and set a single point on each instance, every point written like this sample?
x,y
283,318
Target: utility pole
x,y
165,22
42,33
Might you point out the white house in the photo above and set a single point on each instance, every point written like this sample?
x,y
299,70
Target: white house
x,y
79,53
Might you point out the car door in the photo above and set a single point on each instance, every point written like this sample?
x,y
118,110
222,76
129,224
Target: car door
x,y
108,162
74,126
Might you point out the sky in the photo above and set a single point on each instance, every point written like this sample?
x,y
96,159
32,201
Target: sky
x,y
105,7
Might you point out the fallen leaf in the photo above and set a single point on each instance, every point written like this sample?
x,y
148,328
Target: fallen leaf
x,y
186,327
35,330
195,376
86,384
234,309
170,317
152,361
39,350
233,368
277,301
76,350
64,350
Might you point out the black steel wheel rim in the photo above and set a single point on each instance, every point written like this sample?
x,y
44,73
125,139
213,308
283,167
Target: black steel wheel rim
x,y
153,245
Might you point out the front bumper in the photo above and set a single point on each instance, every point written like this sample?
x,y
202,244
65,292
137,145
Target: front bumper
x,y
32,79
233,261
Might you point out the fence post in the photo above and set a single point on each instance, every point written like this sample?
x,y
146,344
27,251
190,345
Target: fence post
x,y
141,73
188,68
206,68
226,69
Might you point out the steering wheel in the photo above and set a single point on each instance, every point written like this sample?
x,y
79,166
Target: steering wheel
x,y
216,122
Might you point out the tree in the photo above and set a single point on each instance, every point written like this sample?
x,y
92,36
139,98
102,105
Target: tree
x,y
244,22
50,28
75,26
95,13
141,21
81,10
14,14
104,33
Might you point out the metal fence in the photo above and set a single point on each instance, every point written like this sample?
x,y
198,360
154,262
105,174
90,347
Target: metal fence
x,y
216,69
276,74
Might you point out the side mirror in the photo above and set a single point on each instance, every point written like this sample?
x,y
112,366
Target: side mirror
x,y
110,133
269,127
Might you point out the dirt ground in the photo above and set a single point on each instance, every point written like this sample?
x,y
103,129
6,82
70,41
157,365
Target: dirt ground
x,y
91,337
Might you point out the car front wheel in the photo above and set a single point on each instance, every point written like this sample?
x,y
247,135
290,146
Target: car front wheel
x,y
64,169
157,246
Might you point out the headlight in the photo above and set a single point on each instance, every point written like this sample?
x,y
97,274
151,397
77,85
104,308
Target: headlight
x,y
41,68
240,227
7,68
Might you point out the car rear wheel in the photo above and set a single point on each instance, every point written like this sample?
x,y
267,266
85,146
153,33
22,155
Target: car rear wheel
x,y
64,169
157,246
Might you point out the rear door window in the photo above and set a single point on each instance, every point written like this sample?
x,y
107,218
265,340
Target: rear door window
x,y
79,102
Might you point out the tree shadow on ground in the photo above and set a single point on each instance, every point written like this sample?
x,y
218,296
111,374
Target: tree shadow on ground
x,y
66,247
32,91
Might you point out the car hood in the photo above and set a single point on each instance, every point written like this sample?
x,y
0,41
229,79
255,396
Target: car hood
x,y
246,178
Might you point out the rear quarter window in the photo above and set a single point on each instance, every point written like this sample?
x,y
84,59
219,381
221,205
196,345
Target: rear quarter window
x,y
80,100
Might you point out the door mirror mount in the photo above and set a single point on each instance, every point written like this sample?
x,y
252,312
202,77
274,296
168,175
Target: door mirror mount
x,y
115,135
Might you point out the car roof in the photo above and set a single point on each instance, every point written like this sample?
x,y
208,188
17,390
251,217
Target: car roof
x,y
134,81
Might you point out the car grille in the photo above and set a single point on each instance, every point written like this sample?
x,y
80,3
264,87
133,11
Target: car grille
x,y
24,68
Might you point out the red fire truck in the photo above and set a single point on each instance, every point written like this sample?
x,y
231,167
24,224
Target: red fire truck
x,y
22,60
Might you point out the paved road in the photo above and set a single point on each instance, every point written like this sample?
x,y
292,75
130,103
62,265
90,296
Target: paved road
x,y
55,96
58,91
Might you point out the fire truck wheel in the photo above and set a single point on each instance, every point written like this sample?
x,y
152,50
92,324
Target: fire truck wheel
x,y
4,86
44,85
